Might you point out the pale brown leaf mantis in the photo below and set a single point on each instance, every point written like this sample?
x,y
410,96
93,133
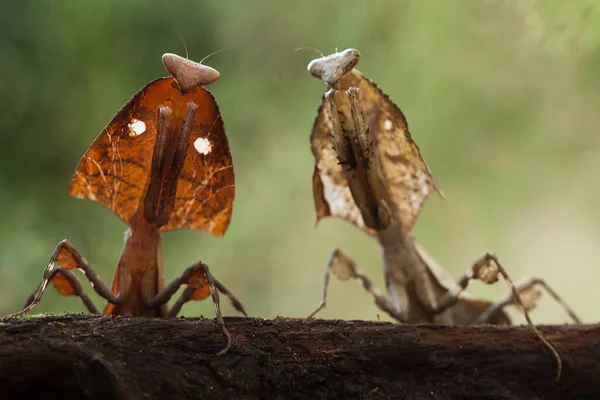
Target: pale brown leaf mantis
x,y
370,172
162,163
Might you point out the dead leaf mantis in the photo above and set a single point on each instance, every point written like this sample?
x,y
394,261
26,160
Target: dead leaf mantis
x,y
370,172
162,163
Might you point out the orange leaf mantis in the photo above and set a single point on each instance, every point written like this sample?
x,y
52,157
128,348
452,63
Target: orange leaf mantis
x,y
370,172
162,163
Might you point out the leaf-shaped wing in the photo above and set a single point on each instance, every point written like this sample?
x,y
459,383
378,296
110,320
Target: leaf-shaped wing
x,y
115,169
330,188
406,175
206,187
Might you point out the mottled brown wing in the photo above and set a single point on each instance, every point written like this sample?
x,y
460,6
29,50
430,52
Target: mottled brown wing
x,y
115,169
330,189
206,187
407,175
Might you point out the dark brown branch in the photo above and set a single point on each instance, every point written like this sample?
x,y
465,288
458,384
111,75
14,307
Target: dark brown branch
x,y
79,357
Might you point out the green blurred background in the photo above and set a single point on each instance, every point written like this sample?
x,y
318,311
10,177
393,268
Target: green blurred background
x,y
503,98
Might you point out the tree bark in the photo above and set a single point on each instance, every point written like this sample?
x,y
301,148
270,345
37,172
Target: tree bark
x,y
88,357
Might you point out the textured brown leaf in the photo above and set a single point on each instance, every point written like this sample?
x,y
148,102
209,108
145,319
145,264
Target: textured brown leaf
x,y
330,189
394,169
116,168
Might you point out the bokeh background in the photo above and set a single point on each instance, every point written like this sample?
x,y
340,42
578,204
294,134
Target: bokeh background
x,y
503,98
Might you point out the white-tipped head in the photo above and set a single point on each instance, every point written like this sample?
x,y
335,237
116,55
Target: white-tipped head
x,y
331,68
188,73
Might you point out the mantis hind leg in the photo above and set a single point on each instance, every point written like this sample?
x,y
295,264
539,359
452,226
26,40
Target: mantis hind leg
x,y
68,259
529,293
197,294
67,284
345,269
487,268
200,284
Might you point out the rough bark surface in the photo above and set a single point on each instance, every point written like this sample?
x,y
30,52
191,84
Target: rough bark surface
x,y
86,357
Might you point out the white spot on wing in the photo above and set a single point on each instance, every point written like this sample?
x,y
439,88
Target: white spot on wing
x,y
202,146
388,125
136,127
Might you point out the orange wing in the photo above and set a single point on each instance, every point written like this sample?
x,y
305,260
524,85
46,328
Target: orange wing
x,y
115,169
